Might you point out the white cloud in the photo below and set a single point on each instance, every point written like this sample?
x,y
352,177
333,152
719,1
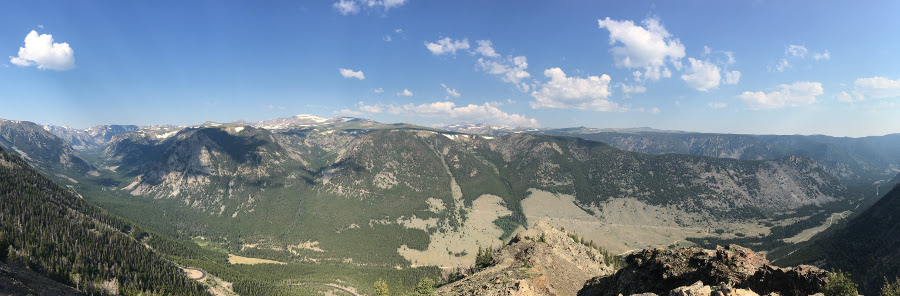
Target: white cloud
x,y
390,35
378,90
872,88
388,4
732,77
631,89
511,69
781,66
486,48
40,51
723,59
717,105
346,7
447,45
486,112
348,112
878,82
347,73
405,93
788,95
563,92
377,108
703,75
849,98
655,110
798,51
450,91
648,47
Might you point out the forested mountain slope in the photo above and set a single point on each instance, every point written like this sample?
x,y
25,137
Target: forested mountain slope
x,y
52,231
868,246
414,189
866,159
43,150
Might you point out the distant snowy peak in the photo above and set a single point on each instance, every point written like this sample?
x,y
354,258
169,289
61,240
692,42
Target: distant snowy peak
x,y
106,132
478,128
302,120
307,117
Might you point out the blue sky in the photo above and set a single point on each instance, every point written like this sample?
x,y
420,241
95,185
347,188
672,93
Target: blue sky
x,y
766,67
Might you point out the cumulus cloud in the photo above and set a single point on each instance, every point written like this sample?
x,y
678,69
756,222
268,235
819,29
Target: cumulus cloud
x,y
648,47
561,92
871,88
447,46
511,69
702,75
706,74
483,113
347,73
41,51
378,90
348,7
486,48
450,91
788,95
405,93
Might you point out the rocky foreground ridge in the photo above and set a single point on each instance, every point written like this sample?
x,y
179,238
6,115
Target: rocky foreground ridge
x,y
540,261
729,270
548,261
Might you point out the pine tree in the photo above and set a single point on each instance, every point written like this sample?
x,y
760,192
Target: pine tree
x,y
381,288
425,287
839,284
891,288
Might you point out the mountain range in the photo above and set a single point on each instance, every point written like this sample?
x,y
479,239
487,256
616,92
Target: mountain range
x,y
309,190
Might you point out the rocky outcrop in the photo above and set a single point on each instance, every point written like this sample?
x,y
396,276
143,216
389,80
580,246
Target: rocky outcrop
x,y
728,270
540,261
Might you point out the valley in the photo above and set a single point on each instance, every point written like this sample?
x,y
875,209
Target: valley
x,y
345,200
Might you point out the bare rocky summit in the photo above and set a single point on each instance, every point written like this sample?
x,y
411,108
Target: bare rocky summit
x,y
729,270
530,265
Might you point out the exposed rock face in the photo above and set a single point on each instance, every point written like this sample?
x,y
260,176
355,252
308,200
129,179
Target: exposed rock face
x,y
528,266
90,138
42,149
667,272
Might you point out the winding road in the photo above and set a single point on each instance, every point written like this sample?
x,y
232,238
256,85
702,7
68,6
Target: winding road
x,y
191,275
330,286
